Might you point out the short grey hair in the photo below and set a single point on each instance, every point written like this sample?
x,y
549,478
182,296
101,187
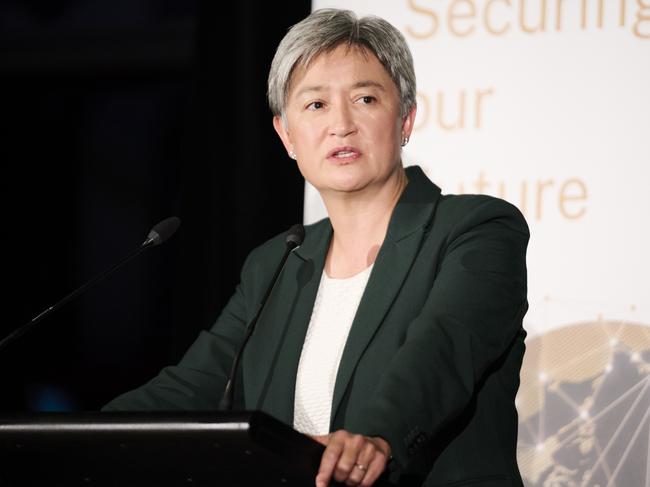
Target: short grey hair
x,y
326,29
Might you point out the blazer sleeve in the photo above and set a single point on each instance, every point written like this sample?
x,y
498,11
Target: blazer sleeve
x,y
471,316
198,380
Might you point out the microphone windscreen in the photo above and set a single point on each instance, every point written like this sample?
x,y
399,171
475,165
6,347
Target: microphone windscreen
x,y
163,230
295,235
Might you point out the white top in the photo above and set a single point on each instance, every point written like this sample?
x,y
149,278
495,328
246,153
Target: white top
x,y
334,309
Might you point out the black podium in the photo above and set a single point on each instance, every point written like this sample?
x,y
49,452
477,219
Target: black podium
x,y
154,449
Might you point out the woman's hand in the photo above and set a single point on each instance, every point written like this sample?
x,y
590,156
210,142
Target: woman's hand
x,y
352,459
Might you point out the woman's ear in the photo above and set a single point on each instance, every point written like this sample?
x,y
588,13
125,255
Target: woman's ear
x,y
408,122
283,133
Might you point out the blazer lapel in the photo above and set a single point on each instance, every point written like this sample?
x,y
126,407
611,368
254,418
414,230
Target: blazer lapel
x,y
278,337
408,225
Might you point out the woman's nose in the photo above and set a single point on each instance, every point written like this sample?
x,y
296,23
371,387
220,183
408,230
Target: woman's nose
x,y
342,121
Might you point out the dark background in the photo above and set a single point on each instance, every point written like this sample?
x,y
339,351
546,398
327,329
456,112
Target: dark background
x,y
115,115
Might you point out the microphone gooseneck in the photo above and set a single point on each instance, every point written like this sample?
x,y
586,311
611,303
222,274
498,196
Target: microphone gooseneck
x,y
158,234
293,240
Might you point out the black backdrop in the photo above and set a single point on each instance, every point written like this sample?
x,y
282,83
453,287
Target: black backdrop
x,y
115,115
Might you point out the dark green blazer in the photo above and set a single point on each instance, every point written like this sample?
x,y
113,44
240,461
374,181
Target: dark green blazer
x,y
432,360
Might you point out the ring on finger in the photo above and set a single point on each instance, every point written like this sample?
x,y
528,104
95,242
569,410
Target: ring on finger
x,y
361,467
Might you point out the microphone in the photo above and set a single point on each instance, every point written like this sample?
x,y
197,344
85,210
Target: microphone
x,y
158,234
162,231
293,240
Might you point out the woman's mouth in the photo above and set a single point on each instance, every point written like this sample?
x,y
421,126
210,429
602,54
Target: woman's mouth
x,y
344,154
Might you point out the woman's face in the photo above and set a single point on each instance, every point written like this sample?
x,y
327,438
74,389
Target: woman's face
x,y
343,122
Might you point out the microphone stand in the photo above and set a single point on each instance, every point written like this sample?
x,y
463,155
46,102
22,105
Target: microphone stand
x,y
161,232
294,239
20,331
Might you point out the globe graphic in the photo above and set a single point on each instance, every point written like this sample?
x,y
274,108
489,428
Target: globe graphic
x,y
584,407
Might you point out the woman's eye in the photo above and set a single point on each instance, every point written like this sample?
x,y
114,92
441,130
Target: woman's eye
x,y
315,105
367,100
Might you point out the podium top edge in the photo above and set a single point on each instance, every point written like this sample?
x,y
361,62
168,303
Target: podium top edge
x,y
193,420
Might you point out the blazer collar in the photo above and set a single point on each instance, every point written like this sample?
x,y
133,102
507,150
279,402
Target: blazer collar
x,y
414,208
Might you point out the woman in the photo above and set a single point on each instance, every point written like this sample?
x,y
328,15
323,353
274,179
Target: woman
x,y
393,335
